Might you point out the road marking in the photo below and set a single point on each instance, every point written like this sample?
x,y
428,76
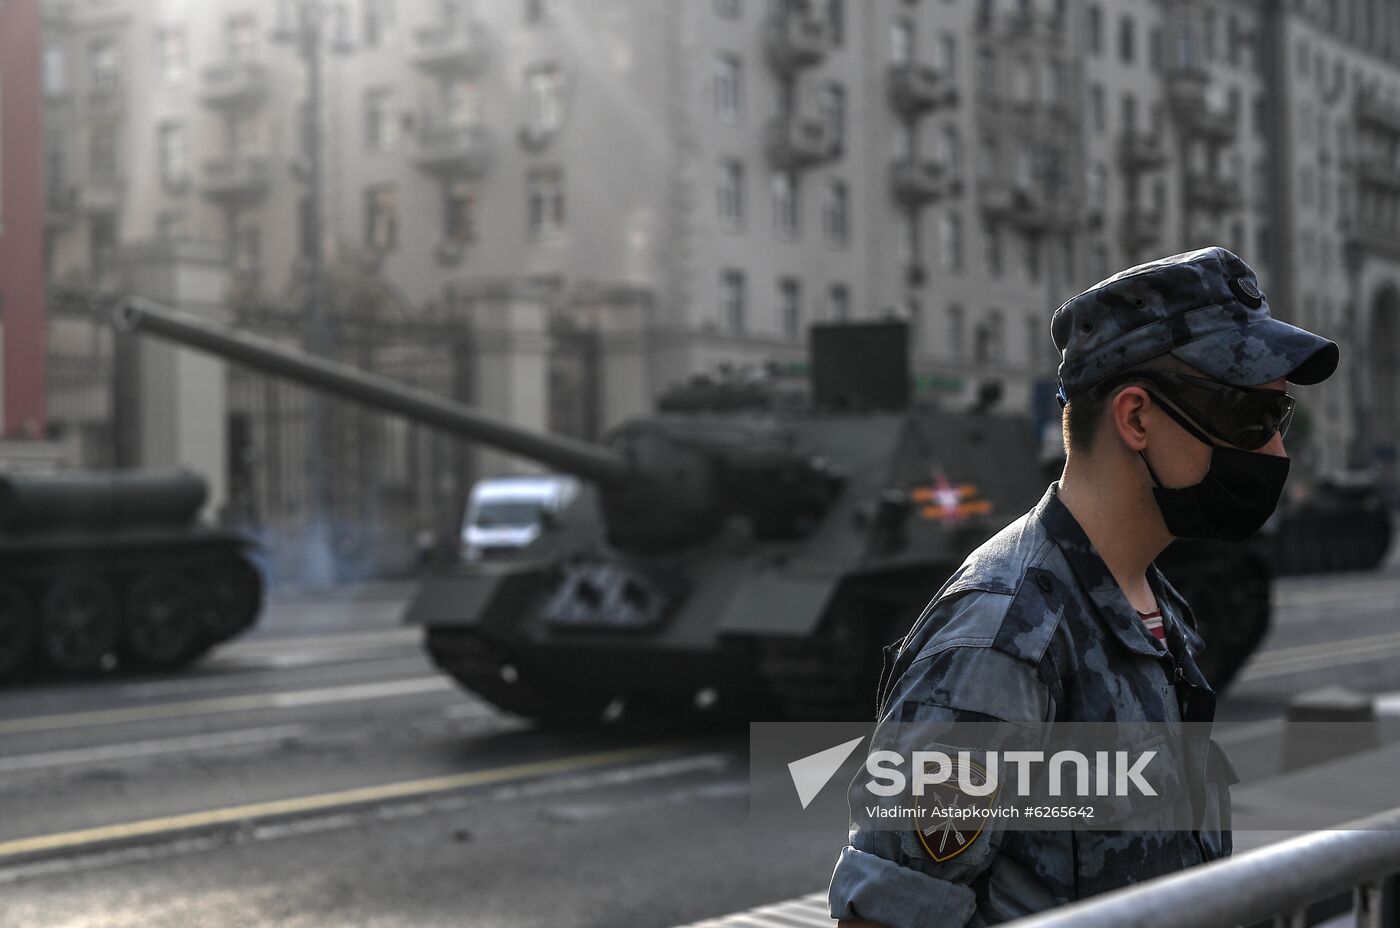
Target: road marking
x,y
1234,732
350,641
1289,660
152,748
342,799
284,700
809,911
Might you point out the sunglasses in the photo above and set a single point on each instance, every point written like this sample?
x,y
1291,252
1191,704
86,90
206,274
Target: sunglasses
x,y
1243,416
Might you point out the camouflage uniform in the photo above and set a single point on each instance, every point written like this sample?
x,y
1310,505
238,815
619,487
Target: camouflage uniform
x,y
1033,629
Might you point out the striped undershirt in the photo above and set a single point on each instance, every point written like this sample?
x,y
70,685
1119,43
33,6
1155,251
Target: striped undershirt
x,y
1153,621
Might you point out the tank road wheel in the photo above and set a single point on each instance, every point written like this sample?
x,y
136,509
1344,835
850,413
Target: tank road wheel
x,y
16,629
233,592
162,626
78,623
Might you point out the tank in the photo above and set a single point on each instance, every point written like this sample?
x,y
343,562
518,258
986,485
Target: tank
x,y
743,553
100,569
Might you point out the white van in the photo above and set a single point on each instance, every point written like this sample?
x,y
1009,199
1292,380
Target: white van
x,y
504,514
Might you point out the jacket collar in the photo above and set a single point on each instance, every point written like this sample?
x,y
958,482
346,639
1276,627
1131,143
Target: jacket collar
x,y
1094,577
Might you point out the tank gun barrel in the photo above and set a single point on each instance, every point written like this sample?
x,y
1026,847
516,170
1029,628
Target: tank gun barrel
x,y
589,461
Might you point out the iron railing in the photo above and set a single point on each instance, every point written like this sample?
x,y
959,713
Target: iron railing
x,y
1274,884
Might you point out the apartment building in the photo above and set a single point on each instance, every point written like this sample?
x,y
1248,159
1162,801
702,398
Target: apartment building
x,y
612,195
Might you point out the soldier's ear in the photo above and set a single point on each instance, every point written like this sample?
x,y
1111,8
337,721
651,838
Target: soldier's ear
x,y
1126,416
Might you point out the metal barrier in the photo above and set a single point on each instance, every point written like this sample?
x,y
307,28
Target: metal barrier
x,y
1275,883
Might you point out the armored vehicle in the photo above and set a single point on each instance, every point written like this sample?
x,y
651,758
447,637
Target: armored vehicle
x,y
741,554
104,568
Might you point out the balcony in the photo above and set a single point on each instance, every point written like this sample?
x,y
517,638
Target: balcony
x,y
236,180
1036,24
1138,151
102,194
917,89
1212,193
1025,207
106,100
798,142
918,183
1141,229
449,49
1379,171
233,84
1373,111
60,205
1186,89
446,148
794,39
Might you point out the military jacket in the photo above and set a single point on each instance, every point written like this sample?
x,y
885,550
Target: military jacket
x,y
1033,629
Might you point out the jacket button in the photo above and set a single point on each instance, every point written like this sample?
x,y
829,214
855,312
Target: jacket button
x,y
1044,582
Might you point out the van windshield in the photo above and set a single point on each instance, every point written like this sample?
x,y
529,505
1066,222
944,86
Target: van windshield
x,y
507,512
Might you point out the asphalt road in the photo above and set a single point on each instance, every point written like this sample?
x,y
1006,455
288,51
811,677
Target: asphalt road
x,y
320,773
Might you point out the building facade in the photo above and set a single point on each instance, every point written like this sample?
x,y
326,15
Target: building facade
x,y
609,196
22,375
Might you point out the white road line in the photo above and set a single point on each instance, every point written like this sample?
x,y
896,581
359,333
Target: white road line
x,y
293,699
803,912
152,748
1247,731
1285,661
346,641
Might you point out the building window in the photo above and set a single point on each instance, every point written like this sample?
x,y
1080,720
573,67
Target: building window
x,y
1036,339
172,154
104,66
546,202
902,141
544,98
839,301
946,59
957,332
461,104
459,212
538,11
790,307
731,300
731,193
1052,88
170,226
950,242
102,242
989,341
837,215
785,213
1031,252
102,151
1023,82
172,53
1208,35
907,238
833,110
728,9
1093,24
381,219
1126,36
247,248
1097,116
55,71
729,88
901,41
836,21
1096,182
377,23
241,33
1129,110
381,128
991,242
987,83
1154,48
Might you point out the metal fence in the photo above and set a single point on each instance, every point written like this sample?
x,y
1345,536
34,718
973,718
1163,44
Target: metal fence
x,y
1273,885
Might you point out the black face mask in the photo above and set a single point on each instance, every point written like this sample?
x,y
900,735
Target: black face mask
x,y
1235,498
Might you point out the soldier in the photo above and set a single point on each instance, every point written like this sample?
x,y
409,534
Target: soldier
x,y
1172,381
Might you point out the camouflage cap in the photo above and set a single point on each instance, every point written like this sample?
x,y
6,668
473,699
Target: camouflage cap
x,y
1204,307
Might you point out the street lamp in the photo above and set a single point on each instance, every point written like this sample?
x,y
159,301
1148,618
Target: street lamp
x,y
303,25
